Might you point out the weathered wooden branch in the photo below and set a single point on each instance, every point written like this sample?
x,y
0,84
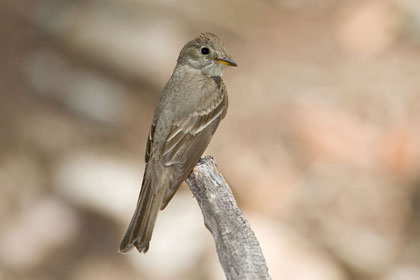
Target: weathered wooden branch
x,y
238,250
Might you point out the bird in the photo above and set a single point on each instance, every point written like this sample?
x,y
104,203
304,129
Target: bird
x,y
188,112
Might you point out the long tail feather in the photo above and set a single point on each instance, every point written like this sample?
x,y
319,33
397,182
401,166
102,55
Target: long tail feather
x,y
140,230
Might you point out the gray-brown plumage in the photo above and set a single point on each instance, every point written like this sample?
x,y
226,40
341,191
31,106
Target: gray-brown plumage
x,y
188,112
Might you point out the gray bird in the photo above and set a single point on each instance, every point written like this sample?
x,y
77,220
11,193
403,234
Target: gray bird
x,y
188,112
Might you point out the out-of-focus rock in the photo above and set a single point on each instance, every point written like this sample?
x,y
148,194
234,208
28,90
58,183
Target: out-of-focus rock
x,y
132,39
99,181
403,272
21,181
86,93
40,228
49,132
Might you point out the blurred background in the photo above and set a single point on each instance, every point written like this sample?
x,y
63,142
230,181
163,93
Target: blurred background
x,y
321,144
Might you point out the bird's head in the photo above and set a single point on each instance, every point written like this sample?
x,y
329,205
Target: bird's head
x,y
206,53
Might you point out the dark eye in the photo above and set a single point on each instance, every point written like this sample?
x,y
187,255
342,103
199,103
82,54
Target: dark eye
x,y
205,50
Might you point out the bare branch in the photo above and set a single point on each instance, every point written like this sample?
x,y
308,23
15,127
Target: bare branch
x,y
238,249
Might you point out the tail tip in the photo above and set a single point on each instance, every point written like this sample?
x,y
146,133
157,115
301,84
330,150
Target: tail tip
x,y
124,248
142,248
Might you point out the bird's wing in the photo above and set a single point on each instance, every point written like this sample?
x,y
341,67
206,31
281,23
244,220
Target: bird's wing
x,y
149,144
188,139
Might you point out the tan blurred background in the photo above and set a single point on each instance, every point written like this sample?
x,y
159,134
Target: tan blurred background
x,y
321,144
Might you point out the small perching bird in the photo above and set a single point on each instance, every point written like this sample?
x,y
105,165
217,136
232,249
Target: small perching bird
x,y
188,112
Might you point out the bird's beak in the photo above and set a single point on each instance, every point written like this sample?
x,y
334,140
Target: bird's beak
x,y
226,61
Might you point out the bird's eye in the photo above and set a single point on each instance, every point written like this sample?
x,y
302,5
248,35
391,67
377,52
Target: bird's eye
x,y
205,50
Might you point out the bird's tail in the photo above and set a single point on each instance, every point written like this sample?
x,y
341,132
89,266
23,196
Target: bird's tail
x,y
140,230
